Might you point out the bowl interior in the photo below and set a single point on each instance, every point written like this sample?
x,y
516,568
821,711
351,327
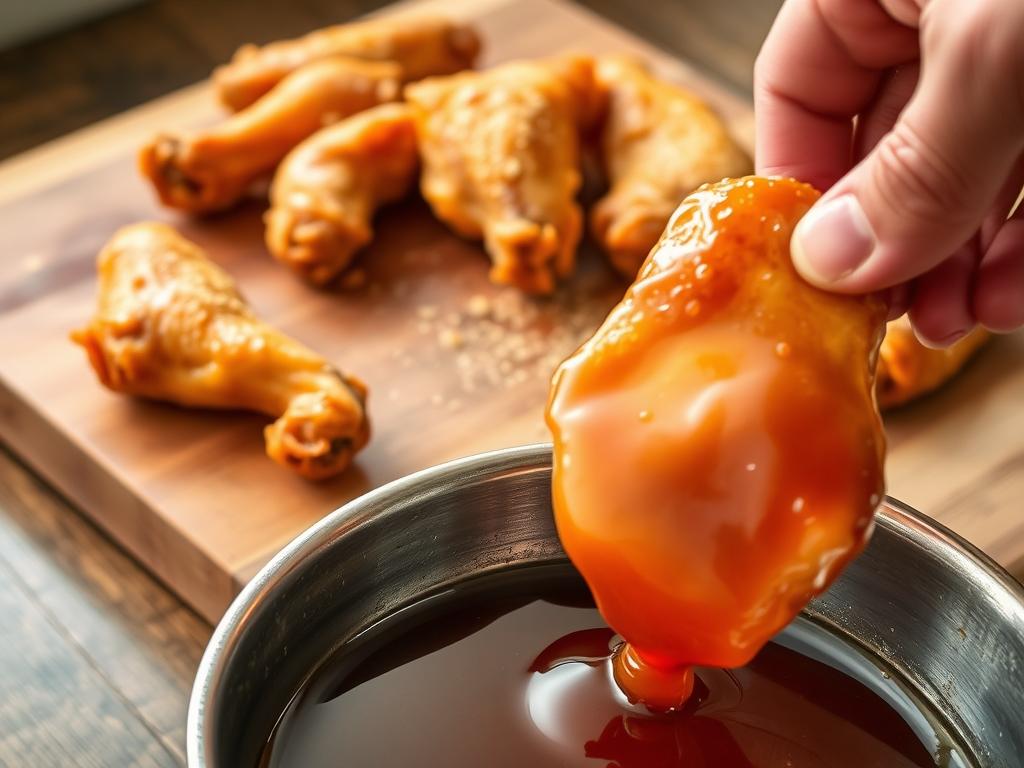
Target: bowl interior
x,y
948,619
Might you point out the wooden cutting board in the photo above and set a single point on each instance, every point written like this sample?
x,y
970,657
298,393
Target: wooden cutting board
x,y
455,366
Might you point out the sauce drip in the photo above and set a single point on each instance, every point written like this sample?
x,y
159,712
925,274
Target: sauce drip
x,y
718,452
661,690
514,670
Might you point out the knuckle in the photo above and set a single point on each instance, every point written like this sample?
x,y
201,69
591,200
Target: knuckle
x,y
977,43
917,180
766,73
760,67
957,26
982,38
907,12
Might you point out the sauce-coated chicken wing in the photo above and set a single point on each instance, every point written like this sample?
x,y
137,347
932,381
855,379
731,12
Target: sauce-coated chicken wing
x,y
327,190
500,151
659,143
211,169
171,326
718,453
421,44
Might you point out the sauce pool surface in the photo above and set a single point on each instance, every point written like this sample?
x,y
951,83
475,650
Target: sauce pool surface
x,y
514,670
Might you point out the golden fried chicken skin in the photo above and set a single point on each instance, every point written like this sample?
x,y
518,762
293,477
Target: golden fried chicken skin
x,y
907,369
659,143
718,453
422,44
212,168
171,326
501,161
327,190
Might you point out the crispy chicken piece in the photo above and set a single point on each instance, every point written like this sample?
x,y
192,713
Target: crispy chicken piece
x,y
907,369
422,44
212,168
659,143
718,452
172,326
327,190
500,152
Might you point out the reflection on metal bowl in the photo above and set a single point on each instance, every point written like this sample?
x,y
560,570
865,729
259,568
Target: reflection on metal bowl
x,y
920,599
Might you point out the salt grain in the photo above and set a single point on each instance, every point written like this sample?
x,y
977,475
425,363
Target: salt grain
x,y
478,306
449,338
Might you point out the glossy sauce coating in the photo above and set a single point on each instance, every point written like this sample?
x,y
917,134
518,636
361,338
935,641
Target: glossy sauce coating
x,y
718,452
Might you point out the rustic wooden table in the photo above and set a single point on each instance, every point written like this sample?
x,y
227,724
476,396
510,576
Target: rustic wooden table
x,y
96,657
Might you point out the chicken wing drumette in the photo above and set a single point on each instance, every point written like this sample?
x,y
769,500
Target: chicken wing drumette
x,y
421,44
908,369
718,452
212,168
500,152
658,144
171,326
327,190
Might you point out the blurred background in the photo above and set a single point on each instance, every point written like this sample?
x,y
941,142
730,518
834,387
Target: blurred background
x,y
67,63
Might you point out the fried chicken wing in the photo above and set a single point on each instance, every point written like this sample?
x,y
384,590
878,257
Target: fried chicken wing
x,y
659,143
171,326
422,45
718,453
212,168
907,369
327,190
500,152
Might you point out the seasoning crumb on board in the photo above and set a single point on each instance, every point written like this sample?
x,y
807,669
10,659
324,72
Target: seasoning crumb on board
x,y
507,340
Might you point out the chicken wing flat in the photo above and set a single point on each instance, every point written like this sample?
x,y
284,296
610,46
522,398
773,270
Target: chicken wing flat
x,y
907,369
500,152
171,326
211,169
327,190
422,45
718,453
659,143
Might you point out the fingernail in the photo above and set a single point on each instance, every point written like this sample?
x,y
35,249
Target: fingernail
x,y
953,338
832,240
945,341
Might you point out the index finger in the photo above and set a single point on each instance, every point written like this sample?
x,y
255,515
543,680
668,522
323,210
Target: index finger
x,y
821,65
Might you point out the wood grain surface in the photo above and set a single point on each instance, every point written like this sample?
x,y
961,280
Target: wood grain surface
x,y
118,636
191,493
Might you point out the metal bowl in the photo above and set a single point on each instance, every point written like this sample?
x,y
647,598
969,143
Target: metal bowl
x,y
943,614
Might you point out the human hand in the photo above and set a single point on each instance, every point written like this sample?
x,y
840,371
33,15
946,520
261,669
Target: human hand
x,y
911,114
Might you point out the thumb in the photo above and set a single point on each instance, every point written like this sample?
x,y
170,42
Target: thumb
x,y
925,188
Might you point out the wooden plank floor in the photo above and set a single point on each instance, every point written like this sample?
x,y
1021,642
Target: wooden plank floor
x,y
96,658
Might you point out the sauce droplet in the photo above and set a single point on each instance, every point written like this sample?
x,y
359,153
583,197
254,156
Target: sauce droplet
x,y
661,689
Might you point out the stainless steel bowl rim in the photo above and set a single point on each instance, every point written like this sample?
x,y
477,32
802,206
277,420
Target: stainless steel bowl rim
x,y
900,518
